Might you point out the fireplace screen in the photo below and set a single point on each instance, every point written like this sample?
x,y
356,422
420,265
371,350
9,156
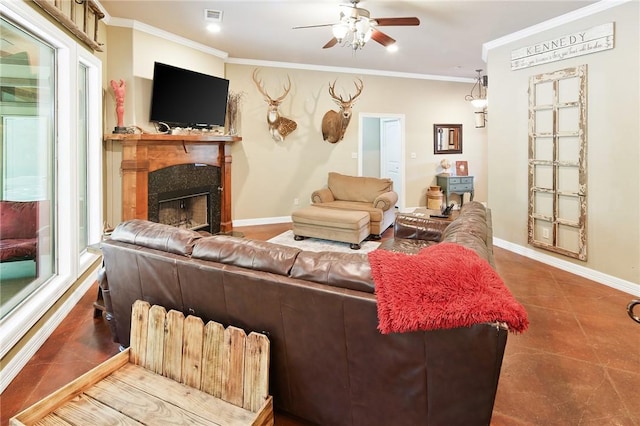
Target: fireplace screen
x,y
185,212
186,196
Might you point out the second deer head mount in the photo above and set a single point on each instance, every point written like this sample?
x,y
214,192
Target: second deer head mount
x,y
279,126
334,123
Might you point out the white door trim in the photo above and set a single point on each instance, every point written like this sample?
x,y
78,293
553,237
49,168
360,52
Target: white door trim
x,y
401,118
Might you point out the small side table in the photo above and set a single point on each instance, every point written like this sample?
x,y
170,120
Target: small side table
x,y
455,185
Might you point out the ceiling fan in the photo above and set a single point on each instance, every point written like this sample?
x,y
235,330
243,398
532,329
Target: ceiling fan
x,y
355,27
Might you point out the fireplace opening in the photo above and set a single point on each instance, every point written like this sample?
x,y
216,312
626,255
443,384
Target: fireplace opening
x,y
186,196
190,212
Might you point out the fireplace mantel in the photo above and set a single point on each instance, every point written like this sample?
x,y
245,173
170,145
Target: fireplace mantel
x,y
144,153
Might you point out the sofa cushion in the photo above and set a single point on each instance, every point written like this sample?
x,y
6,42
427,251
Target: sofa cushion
x,y
472,230
18,219
405,245
156,236
346,270
250,254
474,207
21,249
472,220
358,188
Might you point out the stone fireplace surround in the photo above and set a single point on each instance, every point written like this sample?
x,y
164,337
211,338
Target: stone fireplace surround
x,y
186,182
145,153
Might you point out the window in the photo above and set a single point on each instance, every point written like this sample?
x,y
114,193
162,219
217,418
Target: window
x,y
27,108
51,136
83,140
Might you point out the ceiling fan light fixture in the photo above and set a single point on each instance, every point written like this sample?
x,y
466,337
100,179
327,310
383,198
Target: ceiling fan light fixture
x,y
363,31
392,48
367,35
355,27
362,26
340,31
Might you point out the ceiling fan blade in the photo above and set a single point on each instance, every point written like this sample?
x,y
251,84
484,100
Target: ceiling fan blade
x,y
397,21
382,38
313,26
330,43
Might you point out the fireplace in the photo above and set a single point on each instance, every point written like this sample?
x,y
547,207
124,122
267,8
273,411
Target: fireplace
x,y
186,196
189,211
145,154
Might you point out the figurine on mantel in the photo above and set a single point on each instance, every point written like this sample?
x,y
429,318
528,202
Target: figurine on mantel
x,y
119,90
446,166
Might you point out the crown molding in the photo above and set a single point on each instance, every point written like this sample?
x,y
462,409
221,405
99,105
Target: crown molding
x,y
148,29
359,71
550,24
139,26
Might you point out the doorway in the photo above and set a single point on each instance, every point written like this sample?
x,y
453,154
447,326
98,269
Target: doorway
x,y
381,149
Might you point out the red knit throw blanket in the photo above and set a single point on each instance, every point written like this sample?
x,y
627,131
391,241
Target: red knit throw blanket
x,y
444,286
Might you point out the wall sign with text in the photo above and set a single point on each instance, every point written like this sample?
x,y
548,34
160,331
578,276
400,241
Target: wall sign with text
x,y
581,43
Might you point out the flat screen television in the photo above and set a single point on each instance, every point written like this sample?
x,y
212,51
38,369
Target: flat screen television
x,y
184,98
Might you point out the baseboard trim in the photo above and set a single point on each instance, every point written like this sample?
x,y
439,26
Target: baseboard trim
x,y
599,277
281,219
262,221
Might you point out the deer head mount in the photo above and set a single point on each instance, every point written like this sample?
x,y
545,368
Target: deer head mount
x,y
279,126
334,123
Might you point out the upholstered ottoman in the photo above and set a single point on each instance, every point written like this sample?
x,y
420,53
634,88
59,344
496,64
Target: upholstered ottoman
x,y
348,226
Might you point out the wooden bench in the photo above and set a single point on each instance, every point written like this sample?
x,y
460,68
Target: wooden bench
x,y
177,370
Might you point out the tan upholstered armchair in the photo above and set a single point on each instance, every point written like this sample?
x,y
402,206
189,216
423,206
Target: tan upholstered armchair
x,y
369,194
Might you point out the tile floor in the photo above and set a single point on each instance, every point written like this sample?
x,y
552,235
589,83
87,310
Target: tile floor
x,y
578,364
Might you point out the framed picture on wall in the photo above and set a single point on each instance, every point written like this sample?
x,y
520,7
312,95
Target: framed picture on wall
x,y
462,169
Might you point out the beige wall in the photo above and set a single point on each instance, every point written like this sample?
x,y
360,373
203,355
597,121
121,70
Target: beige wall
x,y
131,54
118,66
267,175
613,136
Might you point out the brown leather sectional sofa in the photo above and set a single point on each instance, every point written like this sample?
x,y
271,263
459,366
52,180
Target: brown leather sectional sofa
x,y
329,363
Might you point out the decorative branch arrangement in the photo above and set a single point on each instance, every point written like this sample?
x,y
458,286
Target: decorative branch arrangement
x,y
233,109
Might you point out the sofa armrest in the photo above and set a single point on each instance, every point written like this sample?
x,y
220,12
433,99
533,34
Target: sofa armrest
x,y
386,201
419,228
323,195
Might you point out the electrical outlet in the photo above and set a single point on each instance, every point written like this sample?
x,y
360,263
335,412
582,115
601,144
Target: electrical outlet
x,y
296,201
545,234
414,155
354,155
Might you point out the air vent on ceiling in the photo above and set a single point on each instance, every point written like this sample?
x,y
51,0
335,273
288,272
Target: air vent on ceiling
x,y
213,15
